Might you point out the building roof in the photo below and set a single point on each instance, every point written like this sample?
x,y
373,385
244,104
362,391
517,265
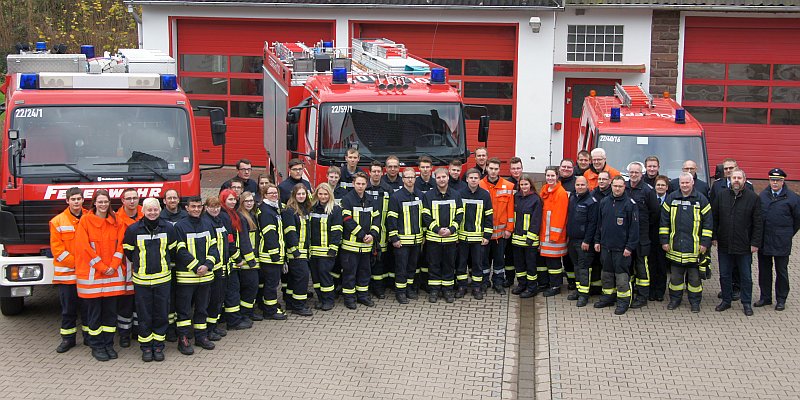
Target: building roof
x,y
449,4
689,4
743,5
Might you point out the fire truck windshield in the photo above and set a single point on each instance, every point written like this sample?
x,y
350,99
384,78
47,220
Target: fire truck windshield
x,y
407,130
671,151
103,141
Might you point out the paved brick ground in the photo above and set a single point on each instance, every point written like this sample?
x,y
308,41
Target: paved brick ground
x,y
658,354
465,350
421,350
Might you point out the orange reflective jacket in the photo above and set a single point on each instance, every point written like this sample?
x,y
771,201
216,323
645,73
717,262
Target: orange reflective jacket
x,y
502,194
127,221
591,176
98,249
553,235
63,228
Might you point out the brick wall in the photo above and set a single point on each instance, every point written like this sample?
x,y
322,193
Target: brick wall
x,y
664,52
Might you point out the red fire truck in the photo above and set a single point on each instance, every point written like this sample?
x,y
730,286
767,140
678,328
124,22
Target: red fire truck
x,y
110,122
632,125
374,96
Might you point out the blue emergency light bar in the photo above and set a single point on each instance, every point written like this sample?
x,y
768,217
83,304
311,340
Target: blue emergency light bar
x,y
87,50
680,116
615,114
327,44
339,76
29,81
438,76
41,46
169,82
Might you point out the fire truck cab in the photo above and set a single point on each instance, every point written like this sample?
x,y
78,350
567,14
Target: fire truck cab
x,y
632,125
320,101
110,122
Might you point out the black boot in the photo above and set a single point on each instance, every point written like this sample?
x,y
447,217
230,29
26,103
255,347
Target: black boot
x,y
448,296
65,345
433,296
100,354
519,289
412,293
639,302
583,300
401,297
461,292
622,306
605,301
477,293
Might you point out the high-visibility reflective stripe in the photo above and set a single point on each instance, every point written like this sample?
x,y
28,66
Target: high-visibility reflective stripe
x,y
695,289
63,255
434,282
94,332
94,261
69,331
63,269
199,326
531,278
64,278
232,309
348,291
65,228
147,339
362,288
677,287
102,289
609,291
327,289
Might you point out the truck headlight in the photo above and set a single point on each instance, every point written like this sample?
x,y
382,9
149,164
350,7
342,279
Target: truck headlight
x,y
24,272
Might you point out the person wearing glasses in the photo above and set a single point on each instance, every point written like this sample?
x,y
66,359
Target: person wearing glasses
x,y
127,215
598,165
243,170
295,177
392,178
700,186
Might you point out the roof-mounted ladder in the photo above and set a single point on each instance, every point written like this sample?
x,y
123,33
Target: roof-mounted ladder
x,y
633,96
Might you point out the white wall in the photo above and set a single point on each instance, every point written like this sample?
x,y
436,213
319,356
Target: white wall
x,y
540,94
635,50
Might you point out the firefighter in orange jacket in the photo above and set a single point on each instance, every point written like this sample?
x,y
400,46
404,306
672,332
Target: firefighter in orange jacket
x,y
62,239
599,165
502,194
553,235
129,213
100,273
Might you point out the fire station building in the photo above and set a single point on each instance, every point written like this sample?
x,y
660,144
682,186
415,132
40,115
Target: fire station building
x,y
735,65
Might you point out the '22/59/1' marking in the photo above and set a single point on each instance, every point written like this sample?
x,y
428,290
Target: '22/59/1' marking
x,y
341,109
28,113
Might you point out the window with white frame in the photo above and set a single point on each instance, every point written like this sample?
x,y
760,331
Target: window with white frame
x,y
594,43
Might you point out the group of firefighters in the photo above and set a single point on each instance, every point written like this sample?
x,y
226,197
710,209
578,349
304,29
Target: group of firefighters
x,y
175,273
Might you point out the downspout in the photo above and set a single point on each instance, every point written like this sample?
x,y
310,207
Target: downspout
x,y
138,19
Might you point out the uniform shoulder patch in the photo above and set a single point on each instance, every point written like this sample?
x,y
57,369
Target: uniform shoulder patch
x,y
633,201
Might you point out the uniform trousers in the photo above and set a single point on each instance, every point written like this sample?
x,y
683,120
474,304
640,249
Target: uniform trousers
x,y
186,295
405,259
765,264
470,254
101,320
152,308
321,268
355,274
441,265
616,273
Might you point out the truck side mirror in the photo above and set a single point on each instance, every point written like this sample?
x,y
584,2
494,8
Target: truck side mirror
x,y
293,116
218,126
292,119
483,129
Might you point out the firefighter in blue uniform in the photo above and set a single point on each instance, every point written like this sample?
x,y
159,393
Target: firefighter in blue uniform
x,y
196,256
525,238
473,234
616,239
150,246
404,225
361,220
441,216
295,232
581,227
325,237
685,235
649,213
271,251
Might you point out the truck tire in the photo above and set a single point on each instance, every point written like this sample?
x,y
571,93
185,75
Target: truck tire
x,y
11,305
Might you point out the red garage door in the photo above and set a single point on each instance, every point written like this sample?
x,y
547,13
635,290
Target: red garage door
x,y
481,58
741,78
219,64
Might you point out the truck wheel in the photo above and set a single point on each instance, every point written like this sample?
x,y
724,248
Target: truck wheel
x,y
11,305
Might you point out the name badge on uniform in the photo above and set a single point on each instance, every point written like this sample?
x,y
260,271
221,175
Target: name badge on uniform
x,y
620,221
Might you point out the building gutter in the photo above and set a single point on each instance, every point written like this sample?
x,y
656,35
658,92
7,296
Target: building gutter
x,y
692,7
557,5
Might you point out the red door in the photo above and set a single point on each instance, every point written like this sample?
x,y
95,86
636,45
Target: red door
x,y
576,90
220,65
482,59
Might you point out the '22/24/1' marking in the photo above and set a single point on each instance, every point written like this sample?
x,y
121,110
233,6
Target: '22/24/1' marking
x,y
28,113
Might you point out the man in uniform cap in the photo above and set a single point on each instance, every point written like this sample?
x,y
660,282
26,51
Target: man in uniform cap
x,y
781,211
